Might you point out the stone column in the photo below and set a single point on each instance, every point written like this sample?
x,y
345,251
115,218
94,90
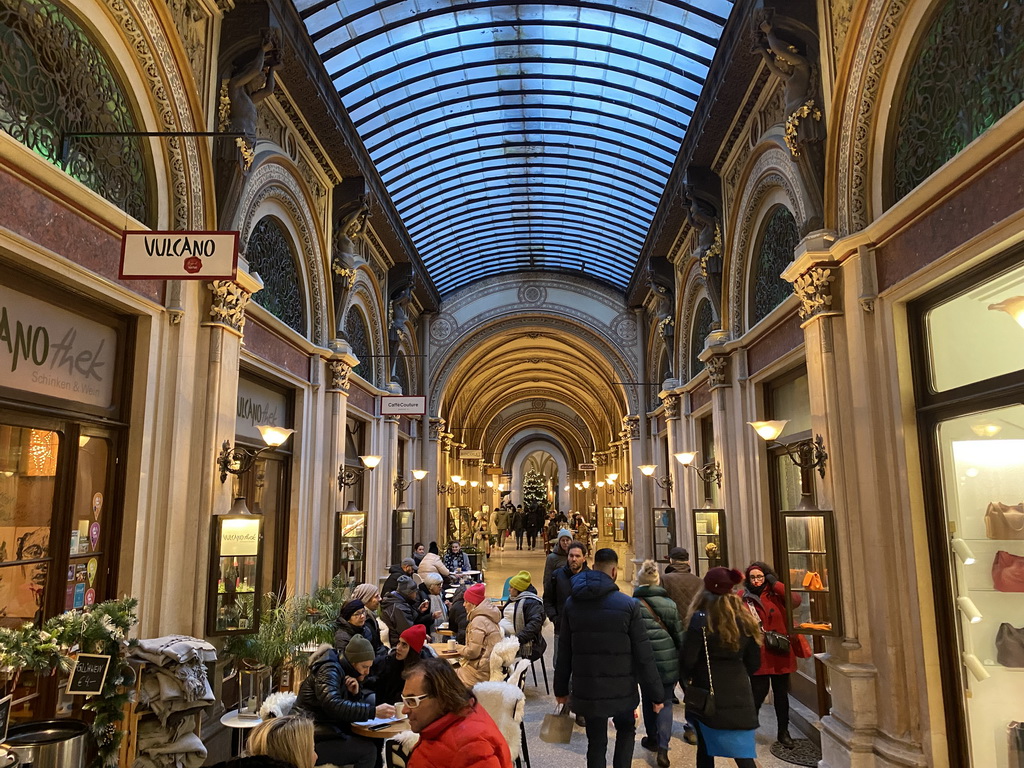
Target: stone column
x,y
641,501
339,369
673,469
378,523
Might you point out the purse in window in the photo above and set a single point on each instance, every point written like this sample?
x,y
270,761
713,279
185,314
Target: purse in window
x,y
1008,572
1010,645
1003,521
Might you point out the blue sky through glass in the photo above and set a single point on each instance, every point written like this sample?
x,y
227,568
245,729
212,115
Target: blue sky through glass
x,y
533,135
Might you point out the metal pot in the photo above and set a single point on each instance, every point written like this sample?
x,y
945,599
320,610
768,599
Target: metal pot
x,y
49,743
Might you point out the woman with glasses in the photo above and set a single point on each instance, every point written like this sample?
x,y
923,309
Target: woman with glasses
x,y
765,596
455,731
351,621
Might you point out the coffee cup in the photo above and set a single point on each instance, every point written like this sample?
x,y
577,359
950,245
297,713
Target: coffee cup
x,y
453,645
400,709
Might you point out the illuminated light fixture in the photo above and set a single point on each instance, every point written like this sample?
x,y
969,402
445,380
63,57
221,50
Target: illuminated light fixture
x,y
586,484
709,473
1013,306
83,440
566,488
490,483
349,477
419,474
611,478
578,486
43,446
963,551
600,483
501,487
973,663
969,609
238,460
462,483
401,485
474,483
986,430
665,481
456,478
769,430
648,469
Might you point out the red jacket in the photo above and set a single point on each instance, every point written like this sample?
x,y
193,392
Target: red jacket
x,y
771,610
468,739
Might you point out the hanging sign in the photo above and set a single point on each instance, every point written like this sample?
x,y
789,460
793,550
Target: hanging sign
x,y
89,673
240,536
587,467
258,405
470,454
179,255
398,405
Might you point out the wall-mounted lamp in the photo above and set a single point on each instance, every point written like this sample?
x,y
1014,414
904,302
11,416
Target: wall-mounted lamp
x,y
648,470
614,486
969,609
239,460
443,488
709,473
974,664
1014,307
401,485
600,483
963,551
349,477
489,483
806,454
578,486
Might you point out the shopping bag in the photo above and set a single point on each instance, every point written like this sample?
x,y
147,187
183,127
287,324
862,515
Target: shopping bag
x,y
557,727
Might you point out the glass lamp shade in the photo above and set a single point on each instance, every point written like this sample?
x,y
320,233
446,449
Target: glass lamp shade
x,y
585,484
648,469
769,430
686,458
370,461
600,483
456,478
462,483
490,483
611,478
274,436
474,483
419,474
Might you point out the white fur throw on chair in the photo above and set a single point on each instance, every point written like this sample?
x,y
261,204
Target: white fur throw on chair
x,y
277,705
503,656
506,705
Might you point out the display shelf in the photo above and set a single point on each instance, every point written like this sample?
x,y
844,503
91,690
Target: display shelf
x,y
808,539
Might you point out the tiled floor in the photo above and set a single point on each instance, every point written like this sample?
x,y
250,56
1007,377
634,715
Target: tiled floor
x,y
500,566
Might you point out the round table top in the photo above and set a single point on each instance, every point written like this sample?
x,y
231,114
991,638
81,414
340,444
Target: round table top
x,y
465,573
441,649
232,720
381,733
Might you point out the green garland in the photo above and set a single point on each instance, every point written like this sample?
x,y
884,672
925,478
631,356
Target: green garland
x,y
101,629
534,490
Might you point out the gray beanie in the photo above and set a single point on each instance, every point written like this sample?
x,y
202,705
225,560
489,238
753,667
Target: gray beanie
x,y
405,585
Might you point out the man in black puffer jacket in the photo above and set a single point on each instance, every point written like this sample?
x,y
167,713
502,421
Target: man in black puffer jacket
x,y
403,608
332,698
603,649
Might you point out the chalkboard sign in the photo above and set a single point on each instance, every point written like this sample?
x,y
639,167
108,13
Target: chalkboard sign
x,y
89,673
5,716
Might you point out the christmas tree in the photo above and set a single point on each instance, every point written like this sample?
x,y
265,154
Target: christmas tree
x,y
534,490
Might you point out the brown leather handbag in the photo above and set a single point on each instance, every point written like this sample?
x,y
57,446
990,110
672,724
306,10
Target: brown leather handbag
x,y
1008,572
1003,521
1010,646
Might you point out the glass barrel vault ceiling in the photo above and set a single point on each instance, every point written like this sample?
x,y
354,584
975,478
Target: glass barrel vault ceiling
x,y
533,135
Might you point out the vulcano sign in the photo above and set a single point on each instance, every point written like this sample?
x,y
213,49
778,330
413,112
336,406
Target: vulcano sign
x,y
179,255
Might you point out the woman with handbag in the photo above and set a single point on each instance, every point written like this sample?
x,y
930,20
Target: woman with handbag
x,y
765,596
720,652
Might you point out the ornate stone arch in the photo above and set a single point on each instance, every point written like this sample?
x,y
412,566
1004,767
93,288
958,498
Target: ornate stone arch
x,y
272,186
693,291
771,179
176,105
879,21
366,300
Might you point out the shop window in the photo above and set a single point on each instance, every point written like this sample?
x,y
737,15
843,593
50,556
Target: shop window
x,y
707,456
269,252
359,339
55,81
971,420
779,238
703,321
944,108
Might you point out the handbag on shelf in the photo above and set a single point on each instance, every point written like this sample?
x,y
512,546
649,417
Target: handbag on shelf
x,y
702,702
1010,645
1008,572
812,580
1003,521
776,642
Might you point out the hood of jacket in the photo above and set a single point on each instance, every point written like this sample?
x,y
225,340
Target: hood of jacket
x,y
650,590
527,594
324,654
592,585
391,598
488,609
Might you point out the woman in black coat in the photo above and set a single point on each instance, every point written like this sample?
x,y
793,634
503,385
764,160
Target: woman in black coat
x,y
720,652
519,525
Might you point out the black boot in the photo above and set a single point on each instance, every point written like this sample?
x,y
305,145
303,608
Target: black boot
x,y
785,739
663,758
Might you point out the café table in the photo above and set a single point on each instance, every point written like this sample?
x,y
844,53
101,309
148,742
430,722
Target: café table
x,y
443,652
392,729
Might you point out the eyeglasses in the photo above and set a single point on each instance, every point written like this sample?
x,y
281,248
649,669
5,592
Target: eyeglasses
x,y
413,702
756,577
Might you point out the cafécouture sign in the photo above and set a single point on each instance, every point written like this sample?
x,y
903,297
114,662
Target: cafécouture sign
x,y
395,405
179,255
51,351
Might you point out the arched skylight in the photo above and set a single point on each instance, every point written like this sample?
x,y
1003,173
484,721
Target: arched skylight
x,y
533,135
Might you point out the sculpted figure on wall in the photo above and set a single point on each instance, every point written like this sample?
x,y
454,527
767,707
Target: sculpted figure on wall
x,y
663,310
344,258
400,300
791,61
703,218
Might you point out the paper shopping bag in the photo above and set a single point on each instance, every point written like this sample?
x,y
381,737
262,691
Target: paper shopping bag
x,y
557,727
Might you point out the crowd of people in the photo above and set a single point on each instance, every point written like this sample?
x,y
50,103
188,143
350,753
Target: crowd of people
x,y
723,639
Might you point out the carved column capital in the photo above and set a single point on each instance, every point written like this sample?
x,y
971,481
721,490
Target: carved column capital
x,y
814,289
718,370
631,427
229,302
446,441
340,373
436,429
671,406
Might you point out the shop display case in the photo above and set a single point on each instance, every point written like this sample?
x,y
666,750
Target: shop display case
x,y
620,528
607,525
350,547
236,567
664,526
711,541
810,571
402,522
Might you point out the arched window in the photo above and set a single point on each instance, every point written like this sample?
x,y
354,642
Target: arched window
x,y
55,81
968,73
269,252
778,239
703,319
359,340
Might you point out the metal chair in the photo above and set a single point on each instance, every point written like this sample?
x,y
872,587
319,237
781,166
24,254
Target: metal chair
x,y
544,670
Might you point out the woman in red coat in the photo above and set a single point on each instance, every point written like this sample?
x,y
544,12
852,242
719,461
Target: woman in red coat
x,y
765,595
